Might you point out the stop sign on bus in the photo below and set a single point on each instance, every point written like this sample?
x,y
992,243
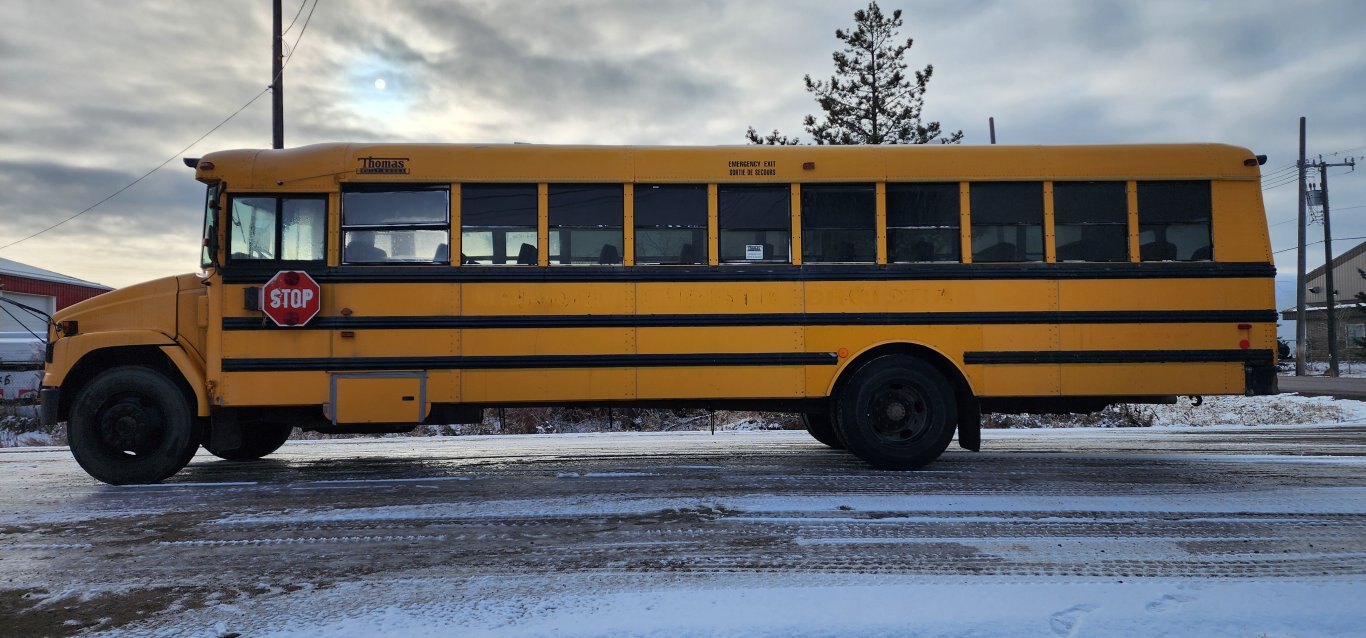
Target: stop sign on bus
x,y
291,298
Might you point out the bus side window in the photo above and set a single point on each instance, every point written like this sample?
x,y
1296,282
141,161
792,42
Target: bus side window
x,y
671,223
394,223
1091,221
923,223
585,223
1007,221
839,223
498,224
1174,221
755,222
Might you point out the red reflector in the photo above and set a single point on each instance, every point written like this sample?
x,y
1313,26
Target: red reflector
x,y
1244,326
292,278
1245,344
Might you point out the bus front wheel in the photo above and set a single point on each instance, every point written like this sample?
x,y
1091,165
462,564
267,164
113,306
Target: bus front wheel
x,y
131,424
896,413
258,440
822,428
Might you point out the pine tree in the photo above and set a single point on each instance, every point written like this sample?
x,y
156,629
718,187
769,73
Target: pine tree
x,y
869,99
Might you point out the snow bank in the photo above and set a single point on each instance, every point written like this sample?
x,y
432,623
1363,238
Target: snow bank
x,y
1281,409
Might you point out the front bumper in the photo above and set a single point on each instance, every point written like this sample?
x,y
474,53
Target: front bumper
x,y
49,404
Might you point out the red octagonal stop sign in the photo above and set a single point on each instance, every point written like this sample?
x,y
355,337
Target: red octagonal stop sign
x,y
291,298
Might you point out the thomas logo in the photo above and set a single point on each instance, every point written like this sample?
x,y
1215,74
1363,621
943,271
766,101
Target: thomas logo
x,y
383,165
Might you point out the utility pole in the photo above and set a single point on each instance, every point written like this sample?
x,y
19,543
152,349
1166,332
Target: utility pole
x,y
991,123
1328,265
277,85
1300,328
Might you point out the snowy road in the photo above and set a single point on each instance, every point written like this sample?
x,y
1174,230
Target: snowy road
x,y
1229,531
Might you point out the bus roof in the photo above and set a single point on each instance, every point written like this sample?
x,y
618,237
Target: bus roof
x,y
322,166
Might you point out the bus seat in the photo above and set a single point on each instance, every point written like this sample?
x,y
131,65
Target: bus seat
x,y
844,252
768,251
1003,251
609,255
1203,253
922,251
688,255
526,255
443,253
1158,251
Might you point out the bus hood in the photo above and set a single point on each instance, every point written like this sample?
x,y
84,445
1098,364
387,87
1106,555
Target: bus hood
x,y
150,305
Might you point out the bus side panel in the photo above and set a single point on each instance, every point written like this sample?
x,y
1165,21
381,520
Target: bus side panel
x,y
724,382
1166,294
1239,224
274,388
930,296
722,297
1155,379
548,385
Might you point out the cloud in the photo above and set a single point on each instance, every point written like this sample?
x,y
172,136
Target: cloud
x,y
98,96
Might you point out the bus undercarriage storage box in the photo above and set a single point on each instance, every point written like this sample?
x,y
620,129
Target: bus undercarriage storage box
x,y
378,397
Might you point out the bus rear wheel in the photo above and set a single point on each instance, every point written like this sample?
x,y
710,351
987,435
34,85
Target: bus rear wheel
x,y
131,424
258,441
822,428
896,413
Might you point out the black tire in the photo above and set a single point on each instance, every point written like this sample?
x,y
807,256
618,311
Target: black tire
x,y
896,413
821,428
132,425
258,440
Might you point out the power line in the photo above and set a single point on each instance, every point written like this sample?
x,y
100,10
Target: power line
x,y
144,175
158,167
296,17
1312,243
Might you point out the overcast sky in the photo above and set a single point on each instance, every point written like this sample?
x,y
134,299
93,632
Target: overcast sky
x,y
96,94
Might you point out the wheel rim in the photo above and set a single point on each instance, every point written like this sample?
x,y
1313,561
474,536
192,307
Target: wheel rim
x,y
899,412
131,424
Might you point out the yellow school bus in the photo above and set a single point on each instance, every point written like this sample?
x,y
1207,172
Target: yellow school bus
x,y
890,294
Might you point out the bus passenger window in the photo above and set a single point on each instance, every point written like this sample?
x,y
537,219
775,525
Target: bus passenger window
x,y
671,223
1007,221
923,223
839,223
1091,221
290,228
1174,221
394,223
755,222
585,223
498,224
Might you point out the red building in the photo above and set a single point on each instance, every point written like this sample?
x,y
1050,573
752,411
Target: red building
x,y
48,292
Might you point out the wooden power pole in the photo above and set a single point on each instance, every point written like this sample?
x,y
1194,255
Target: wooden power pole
x,y
277,84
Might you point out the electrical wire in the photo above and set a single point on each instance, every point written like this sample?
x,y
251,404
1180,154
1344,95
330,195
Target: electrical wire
x,y
20,322
296,17
144,175
1314,243
162,165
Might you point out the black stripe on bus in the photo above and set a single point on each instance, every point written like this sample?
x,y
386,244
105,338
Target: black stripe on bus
x,y
770,319
1117,356
751,273
532,361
